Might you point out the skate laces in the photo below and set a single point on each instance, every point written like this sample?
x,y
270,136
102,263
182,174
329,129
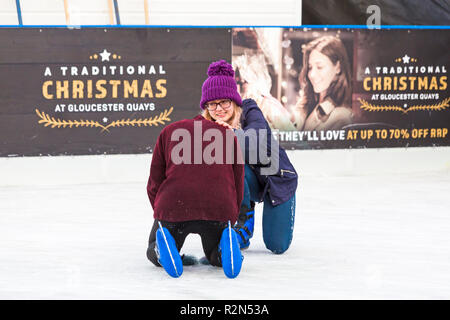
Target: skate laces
x,y
244,225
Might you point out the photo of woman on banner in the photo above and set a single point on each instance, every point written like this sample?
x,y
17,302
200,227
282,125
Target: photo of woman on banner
x,y
326,91
270,64
221,103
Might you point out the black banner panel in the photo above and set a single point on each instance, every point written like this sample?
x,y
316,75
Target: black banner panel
x,y
100,91
390,12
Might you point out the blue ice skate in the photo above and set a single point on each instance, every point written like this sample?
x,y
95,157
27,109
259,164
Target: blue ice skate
x,y
168,255
230,252
245,225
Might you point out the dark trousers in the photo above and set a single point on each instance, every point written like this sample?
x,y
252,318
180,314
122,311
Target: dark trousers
x,y
209,231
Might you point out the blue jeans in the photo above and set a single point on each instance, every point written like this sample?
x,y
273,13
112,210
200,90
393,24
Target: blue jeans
x,y
278,222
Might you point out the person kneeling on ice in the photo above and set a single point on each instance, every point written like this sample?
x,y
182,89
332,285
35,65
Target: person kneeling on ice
x,y
196,186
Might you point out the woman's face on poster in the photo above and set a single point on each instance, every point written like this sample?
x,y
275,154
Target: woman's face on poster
x,y
322,71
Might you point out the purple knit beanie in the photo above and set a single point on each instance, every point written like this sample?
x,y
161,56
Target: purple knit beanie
x,y
220,84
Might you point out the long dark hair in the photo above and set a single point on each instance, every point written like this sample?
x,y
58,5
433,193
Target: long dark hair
x,y
340,88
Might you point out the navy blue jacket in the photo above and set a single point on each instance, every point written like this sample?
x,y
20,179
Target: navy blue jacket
x,y
280,185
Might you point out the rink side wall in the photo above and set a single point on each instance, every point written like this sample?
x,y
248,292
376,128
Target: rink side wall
x,y
62,170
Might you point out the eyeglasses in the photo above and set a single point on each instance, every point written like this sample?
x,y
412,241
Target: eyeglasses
x,y
224,104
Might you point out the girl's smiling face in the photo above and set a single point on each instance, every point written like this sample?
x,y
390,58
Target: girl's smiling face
x,y
224,111
321,71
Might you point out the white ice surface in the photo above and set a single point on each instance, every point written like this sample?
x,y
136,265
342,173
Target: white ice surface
x,y
383,236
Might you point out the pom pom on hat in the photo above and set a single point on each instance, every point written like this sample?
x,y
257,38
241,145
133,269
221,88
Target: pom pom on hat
x,y
220,68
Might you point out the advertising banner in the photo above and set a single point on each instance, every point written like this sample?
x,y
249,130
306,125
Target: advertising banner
x,y
100,91
348,88
111,91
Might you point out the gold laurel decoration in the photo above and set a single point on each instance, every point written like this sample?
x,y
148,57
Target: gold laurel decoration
x,y
152,121
51,121
435,107
58,123
374,108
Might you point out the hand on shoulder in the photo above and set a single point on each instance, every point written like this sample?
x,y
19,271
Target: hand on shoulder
x,y
224,124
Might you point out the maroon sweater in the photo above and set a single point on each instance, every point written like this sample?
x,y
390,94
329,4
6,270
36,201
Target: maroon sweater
x,y
193,190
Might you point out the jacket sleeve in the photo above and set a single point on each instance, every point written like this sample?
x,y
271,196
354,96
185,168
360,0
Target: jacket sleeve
x,y
254,117
157,170
255,142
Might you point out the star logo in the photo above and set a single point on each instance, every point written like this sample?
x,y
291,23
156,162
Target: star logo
x,y
406,59
105,55
105,119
